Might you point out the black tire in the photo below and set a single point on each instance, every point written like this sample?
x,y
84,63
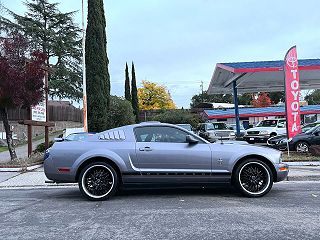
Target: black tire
x,y
98,181
250,141
273,135
302,146
253,178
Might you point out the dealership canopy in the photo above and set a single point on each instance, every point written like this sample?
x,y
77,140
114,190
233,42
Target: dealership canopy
x,y
263,76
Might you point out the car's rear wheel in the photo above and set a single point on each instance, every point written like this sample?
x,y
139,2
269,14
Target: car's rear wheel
x,y
253,178
302,147
98,181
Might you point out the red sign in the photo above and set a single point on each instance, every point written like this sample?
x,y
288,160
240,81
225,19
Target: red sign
x,y
292,87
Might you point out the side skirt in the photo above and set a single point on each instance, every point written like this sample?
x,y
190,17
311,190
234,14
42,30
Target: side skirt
x,y
176,178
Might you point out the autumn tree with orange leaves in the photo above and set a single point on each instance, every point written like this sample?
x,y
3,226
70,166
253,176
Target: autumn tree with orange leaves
x,y
263,100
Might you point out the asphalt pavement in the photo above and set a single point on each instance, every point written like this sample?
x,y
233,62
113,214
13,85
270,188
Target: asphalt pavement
x,y
290,211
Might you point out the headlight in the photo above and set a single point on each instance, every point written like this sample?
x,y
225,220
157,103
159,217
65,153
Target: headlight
x,y
212,134
264,132
232,134
284,141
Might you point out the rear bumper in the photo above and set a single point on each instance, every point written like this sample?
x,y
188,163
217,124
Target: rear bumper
x,y
52,172
282,170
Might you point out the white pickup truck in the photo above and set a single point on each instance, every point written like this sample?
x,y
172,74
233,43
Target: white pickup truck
x,y
265,129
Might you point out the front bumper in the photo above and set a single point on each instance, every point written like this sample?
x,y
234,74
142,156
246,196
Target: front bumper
x,y
282,170
256,138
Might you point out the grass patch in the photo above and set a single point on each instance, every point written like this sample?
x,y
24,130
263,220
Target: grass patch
x,y
299,157
2,149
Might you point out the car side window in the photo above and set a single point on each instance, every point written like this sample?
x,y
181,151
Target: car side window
x,y
160,134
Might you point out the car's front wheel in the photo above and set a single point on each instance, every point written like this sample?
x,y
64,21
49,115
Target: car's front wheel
x,y
98,181
302,147
253,178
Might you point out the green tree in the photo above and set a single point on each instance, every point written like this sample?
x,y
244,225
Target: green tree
x,y
313,98
178,116
55,34
210,98
127,93
277,97
134,93
245,99
120,113
97,75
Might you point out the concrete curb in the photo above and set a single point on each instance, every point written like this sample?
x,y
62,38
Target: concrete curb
x,y
20,169
317,163
303,178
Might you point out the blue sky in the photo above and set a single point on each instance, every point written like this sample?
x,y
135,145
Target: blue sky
x,y
178,42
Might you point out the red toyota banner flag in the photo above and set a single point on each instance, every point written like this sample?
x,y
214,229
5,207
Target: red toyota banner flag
x,y
292,88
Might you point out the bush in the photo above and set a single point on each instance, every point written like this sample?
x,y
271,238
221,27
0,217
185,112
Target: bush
x,y
120,113
41,147
178,117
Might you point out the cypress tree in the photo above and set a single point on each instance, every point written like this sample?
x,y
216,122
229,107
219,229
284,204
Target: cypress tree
x,y
97,75
127,93
134,92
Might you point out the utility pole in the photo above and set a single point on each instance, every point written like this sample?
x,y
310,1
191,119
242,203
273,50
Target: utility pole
x,y
201,91
85,115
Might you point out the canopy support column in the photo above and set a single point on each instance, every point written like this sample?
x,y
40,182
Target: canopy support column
x,y
236,107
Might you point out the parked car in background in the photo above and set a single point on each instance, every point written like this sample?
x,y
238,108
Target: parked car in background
x,y
299,143
158,154
68,131
186,126
214,131
234,128
80,136
308,126
265,129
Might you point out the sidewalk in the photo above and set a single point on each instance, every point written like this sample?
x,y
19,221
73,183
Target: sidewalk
x,y
37,177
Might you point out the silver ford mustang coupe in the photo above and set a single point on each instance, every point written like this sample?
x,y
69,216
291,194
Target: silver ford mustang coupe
x,y
159,154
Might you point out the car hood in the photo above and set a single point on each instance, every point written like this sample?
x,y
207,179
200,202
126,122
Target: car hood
x,y
301,136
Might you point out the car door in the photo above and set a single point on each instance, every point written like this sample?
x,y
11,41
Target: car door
x,y
163,150
315,139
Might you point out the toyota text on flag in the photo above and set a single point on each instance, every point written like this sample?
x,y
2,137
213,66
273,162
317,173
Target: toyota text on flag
x,y
292,87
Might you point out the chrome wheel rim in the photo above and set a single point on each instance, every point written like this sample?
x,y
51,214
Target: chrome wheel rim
x,y
97,181
302,147
254,178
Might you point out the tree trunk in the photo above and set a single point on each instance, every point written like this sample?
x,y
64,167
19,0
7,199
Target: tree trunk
x,y
4,116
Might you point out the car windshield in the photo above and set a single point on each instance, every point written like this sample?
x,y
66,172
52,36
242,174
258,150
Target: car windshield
x,y
307,127
217,126
313,129
267,123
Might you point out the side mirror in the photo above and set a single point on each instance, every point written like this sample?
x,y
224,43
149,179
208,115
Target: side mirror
x,y
191,140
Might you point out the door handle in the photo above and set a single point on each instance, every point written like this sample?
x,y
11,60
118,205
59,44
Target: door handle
x,y
146,149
